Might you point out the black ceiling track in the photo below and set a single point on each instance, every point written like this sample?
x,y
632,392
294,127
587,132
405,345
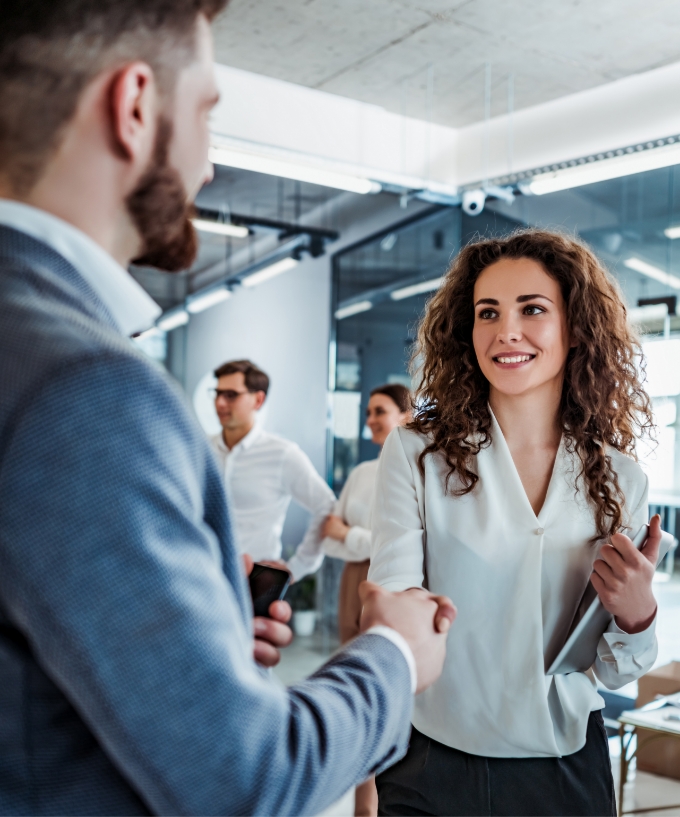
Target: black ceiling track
x,y
286,229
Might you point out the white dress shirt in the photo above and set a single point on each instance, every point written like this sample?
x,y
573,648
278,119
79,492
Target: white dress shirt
x,y
354,507
262,473
517,580
129,305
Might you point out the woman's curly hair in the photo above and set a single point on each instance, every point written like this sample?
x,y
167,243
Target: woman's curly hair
x,y
603,400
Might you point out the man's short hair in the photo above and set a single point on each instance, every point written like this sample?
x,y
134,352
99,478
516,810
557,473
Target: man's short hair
x,y
255,378
50,50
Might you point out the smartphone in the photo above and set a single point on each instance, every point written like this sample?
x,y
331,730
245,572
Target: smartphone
x,y
267,584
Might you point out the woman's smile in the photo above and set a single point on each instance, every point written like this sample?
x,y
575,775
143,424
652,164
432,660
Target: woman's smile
x,y
515,360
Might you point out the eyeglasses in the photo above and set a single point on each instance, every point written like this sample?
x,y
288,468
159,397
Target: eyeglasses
x,y
226,394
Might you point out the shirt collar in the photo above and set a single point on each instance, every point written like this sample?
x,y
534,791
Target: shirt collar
x,y
245,443
130,306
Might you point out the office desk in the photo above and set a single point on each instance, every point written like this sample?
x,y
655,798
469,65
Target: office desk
x,y
662,729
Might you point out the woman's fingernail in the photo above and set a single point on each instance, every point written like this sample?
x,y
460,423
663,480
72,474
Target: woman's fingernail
x,y
443,625
259,626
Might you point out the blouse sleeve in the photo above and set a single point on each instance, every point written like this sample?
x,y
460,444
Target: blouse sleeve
x,y
357,544
623,657
332,547
397,546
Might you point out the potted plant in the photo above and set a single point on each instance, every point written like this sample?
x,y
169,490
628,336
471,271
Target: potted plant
x,y
302,598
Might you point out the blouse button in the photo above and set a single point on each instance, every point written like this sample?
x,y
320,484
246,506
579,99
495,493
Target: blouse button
x,y
539,531
619,645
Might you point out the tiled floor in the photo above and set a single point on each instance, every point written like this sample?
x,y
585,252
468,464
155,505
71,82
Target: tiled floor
x,y
646,790
643,790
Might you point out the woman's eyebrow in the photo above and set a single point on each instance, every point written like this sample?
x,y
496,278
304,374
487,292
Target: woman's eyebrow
x,y
491,301
524,298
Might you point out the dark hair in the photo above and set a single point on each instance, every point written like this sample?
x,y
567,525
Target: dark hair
x,y
50,50
603,406
397,393
255,378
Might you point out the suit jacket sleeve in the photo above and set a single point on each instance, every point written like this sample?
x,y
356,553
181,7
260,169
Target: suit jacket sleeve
x,y
134,605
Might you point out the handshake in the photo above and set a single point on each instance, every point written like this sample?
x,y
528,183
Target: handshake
x,y
421,618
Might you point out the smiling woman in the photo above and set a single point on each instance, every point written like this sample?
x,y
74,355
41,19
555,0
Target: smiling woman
x,y
519,463
588,347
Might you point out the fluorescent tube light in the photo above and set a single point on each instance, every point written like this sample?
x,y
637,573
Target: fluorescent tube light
x,y
672,232
204,300
220,228
353,309
271,271
604,169
292,170
415,289
648,313
651,271
172,319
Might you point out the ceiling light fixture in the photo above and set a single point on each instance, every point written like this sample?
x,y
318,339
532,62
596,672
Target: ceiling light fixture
x,y
672,232
220,228
270,271
173,319
624,164
352,309
651,271
416,289
204,300
292,170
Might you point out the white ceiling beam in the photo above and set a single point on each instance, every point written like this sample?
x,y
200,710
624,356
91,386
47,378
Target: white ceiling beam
x,y
277,118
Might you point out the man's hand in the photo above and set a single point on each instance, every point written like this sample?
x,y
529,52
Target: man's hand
x,y
271,634
334,528
623,576
421,618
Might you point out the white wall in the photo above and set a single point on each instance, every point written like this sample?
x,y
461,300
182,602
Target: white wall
x,y
284,325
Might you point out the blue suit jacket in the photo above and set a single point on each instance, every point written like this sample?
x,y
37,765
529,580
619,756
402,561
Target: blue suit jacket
x,y
127,684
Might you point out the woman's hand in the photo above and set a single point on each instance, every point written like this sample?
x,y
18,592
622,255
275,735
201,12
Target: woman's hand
x,y
623,576
335,528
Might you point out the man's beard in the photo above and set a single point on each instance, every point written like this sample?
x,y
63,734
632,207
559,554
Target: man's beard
x,y
161,213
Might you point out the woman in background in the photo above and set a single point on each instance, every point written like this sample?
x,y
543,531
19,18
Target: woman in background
x,y
347,533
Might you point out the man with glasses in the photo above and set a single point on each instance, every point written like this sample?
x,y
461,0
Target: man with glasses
x,y
263,472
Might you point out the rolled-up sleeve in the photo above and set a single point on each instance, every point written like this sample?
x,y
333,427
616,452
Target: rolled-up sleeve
x,y
309,490
397,550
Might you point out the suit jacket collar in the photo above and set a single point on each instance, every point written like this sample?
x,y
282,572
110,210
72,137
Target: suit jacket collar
x,y
127,303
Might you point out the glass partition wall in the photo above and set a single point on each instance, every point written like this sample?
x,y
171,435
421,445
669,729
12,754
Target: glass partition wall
x,y
381,286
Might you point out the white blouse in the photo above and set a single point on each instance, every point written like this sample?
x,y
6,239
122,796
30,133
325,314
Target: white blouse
x,y
354,508
516,579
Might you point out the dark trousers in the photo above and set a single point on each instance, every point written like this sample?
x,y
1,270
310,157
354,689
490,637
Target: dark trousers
x,y
434,779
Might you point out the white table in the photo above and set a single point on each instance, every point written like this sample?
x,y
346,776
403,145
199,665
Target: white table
x,y
653,721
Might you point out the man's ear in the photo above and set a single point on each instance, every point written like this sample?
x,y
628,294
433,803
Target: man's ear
x,y
133,112
260,397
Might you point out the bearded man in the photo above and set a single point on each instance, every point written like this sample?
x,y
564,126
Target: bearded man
x,y
131,680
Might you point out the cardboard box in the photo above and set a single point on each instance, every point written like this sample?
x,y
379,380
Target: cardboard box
x,y
662,755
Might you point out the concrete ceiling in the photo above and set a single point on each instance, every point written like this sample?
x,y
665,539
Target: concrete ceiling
x,y
379,51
